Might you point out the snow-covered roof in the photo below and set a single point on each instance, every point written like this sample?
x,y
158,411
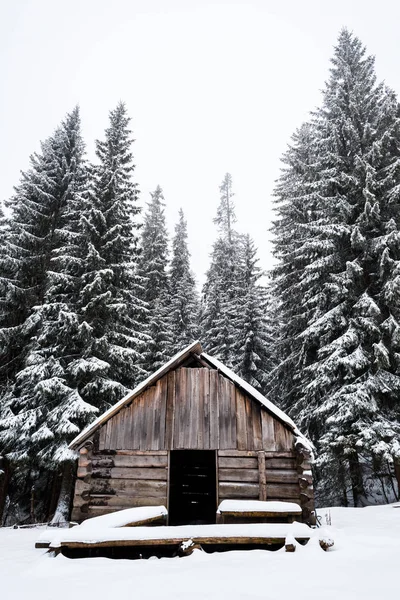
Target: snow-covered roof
x,y
196,349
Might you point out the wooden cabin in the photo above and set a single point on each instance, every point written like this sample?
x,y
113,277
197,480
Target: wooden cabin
x,y
191,435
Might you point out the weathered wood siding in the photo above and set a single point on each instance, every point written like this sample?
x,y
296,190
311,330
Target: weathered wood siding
x,y
113,481
195,409
258,475
126,462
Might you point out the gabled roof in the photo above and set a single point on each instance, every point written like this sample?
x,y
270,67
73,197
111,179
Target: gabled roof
x,y
193,349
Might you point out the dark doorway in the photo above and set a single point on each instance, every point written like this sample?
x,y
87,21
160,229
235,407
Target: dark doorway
x,y
192,487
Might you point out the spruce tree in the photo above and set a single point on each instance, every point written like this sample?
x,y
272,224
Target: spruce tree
x,y
184,303
343,215
110,306
42,409
252,358
152,273
222,281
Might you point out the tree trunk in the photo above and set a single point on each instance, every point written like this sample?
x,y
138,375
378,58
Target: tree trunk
x,y
342,479
4,479
396,463
65,496
356,478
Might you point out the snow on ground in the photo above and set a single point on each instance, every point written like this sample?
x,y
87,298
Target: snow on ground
x,y
363,565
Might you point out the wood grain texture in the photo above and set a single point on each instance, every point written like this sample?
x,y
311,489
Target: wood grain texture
x,y
262,481
231,462
241,421
214,411
194,408
238,475
237,490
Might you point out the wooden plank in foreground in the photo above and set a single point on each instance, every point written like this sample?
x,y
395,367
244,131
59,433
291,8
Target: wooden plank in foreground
x,y
262,514
227,540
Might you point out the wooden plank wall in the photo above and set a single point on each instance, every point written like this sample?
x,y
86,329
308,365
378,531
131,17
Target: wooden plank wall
x,y
194,408
239,475
113,481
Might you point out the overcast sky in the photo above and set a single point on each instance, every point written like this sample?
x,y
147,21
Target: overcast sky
x,y
211,87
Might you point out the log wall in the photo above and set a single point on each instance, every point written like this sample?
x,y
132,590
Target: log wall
x,y
125,464
258,476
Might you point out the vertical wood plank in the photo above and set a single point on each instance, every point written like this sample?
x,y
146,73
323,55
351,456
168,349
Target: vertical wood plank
x,y
135,425
205,390
108,434
150,397
214,410
155,437
126,441
170,414
191,410
232,415
178,409
201,442
262,479
182,406
241,422
268,431
249,423
196,419
113,430
163,412
141,414
186,404
120,430
283,438
223,413
257,430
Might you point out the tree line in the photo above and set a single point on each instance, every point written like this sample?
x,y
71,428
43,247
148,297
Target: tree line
x,y
91,303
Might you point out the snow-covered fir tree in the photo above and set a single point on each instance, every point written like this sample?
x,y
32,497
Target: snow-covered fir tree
x,y
111,309
337,242
184,301
153,276
222,281
296,207
42,409
253,337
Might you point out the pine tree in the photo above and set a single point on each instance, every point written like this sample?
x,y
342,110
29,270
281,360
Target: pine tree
x,y
222,281
42,409
296,206
253,338
152,273
111,309
184,307
339,206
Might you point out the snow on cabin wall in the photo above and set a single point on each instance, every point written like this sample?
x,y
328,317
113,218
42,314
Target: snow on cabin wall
x,y
194,408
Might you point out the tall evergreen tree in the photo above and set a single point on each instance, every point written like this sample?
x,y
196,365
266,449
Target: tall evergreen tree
x,y
342,208
152,273
222,281
42,409
252,358
111,309
184,303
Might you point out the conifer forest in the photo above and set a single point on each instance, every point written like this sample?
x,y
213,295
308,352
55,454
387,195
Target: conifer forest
x,y
95,295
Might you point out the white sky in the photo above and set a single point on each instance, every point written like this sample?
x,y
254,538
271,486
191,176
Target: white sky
x,y
210,86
